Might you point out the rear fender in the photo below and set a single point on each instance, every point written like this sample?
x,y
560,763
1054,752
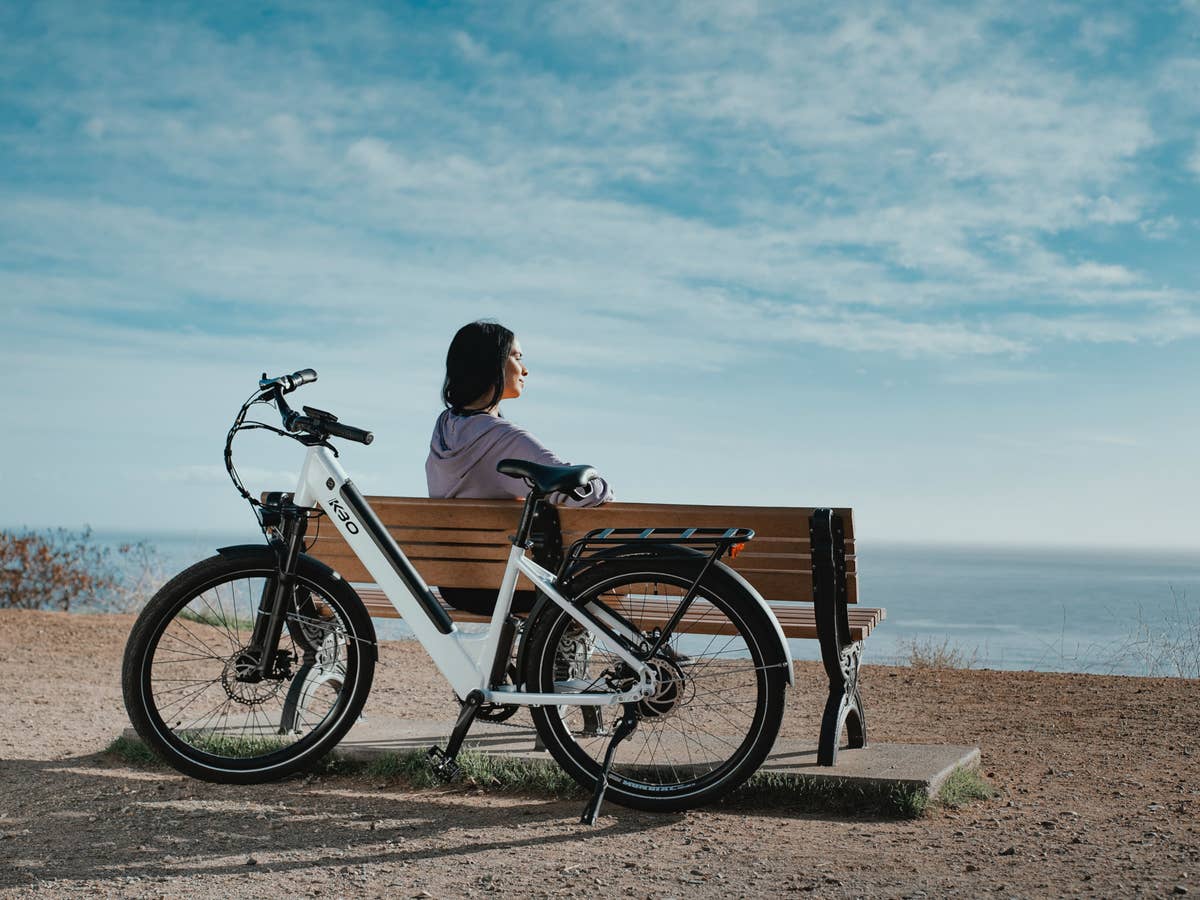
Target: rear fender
x,y
632,551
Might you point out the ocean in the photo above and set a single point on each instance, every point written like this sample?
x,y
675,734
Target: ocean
x,y
1131,612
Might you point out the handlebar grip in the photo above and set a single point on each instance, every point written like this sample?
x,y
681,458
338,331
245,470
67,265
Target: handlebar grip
x,y
288,383
293,381
349,432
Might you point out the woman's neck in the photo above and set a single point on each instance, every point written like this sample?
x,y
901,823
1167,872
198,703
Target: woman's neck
x,y
481,410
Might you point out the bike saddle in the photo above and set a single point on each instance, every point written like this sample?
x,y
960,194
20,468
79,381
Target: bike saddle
x,y
547,479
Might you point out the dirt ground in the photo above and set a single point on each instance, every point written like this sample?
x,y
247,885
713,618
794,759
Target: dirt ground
x,y
1097,780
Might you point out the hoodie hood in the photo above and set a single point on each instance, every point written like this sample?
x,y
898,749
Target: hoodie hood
x,y
463,445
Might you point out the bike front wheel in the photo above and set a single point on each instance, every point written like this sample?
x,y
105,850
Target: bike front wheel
x,y
721,684
188,678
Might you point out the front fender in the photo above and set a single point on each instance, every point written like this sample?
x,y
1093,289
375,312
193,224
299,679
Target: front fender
x,y
243,549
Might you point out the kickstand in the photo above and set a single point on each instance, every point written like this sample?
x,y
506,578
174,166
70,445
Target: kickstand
x,y
445,762
623,729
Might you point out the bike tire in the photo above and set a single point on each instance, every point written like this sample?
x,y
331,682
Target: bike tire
x,y
179,674
722,689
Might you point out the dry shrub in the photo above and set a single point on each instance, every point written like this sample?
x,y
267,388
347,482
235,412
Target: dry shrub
x,y
67,570
930,653
1165,646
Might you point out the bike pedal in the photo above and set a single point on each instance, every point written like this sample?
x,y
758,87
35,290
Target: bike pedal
x,y
442,765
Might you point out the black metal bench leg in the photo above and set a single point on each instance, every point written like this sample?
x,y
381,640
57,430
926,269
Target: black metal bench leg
x,y
843,709
840,655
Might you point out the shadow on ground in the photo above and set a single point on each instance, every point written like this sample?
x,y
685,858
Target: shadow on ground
x,y
87,818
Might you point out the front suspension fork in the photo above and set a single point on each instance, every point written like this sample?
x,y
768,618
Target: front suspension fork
x,y
277,593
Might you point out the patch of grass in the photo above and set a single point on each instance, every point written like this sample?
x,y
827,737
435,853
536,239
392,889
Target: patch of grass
x,y
411,767
134,753
233,746
846,796
217,619
964,786
478,769
825,795
518,775
929,653
334,765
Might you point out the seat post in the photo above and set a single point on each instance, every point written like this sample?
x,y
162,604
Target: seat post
x,y
528,514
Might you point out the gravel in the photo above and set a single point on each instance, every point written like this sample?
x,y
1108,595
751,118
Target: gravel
x,y
1097,780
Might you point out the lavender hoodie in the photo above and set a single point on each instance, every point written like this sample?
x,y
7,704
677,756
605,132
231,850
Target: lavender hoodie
x,y
464,451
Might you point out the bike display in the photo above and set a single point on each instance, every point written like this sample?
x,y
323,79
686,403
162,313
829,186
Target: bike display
x,y
654,673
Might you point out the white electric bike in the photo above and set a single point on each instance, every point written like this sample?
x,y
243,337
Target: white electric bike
x,y
652,670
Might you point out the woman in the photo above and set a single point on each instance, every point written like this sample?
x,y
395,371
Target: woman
x,y
483,367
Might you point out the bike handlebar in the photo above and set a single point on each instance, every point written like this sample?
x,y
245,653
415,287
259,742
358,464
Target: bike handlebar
x,y
333,429
320,426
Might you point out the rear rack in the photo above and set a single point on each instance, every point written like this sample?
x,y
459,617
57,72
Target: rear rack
x,y
717,541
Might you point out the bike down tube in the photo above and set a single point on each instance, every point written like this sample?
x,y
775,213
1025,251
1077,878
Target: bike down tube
x,y
324,482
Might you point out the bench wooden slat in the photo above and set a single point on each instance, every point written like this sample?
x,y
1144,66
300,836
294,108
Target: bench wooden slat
x,y
490,537
426,513
423,512
461,571
795,551
796,621
486,544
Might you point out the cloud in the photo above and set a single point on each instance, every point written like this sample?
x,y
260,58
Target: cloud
x,y
975,375
1098,33
1104,274
1159,229
911,186
1105,440
1162,327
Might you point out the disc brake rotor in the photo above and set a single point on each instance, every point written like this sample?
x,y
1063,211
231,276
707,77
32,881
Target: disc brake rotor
x,y
247,693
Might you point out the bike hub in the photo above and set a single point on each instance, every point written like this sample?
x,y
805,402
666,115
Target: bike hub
x,y
670,692
242,682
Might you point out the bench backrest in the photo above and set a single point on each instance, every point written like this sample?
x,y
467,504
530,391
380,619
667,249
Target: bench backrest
x,y
464,543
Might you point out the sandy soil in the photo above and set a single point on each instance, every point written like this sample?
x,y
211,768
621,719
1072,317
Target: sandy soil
x,y
1098,782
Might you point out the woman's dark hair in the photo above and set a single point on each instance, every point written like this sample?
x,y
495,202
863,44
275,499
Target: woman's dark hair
x,y
475,364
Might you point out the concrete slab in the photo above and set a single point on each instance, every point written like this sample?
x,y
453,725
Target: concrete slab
x,y
912,766
915,766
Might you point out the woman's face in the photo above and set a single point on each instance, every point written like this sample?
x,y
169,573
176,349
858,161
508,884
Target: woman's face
x,y
514,373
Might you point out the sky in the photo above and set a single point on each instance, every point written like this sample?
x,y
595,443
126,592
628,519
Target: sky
x,y
934,261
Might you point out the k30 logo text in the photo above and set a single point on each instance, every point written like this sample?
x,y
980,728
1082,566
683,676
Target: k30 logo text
x,y
335,507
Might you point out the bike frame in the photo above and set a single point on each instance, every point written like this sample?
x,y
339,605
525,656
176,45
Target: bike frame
x,y
465,660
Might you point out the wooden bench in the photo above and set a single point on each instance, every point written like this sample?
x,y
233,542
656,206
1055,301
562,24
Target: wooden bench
x,y
801,561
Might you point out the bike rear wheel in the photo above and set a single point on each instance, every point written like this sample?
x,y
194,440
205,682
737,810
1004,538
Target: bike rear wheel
x,y
720,701
186,673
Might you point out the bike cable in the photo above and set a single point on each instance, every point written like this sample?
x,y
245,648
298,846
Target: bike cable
x,y
239,425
